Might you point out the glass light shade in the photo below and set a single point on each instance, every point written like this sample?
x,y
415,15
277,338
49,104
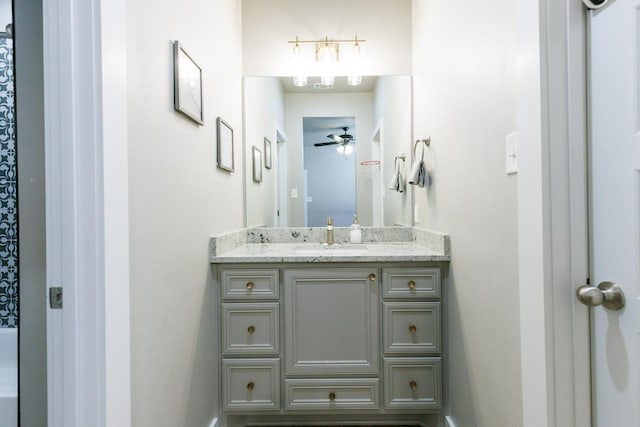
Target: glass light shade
x,y
328,54
300,78
300,81
354,80
327,80
355,77
345,149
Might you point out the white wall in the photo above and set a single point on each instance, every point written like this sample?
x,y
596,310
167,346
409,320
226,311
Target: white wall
x,y
299,105
5,14
263,108
393,113
268,25
465,98
178,199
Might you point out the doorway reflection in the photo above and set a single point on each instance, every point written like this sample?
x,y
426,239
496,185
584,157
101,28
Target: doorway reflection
x,y
329,170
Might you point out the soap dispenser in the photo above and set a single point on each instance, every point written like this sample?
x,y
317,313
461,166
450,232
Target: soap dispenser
x,y
355,233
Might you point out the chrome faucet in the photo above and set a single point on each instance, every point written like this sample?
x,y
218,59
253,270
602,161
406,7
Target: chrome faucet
x,y
330,239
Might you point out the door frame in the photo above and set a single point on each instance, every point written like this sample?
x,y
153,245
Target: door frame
x,y
87,248
86,137
552,212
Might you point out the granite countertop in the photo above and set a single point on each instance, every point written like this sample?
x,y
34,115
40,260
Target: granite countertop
x,y
301,246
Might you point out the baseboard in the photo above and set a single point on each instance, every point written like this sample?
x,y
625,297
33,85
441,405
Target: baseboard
x,y
449,421
214,422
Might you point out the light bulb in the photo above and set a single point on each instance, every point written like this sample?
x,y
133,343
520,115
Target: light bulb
x,y
327,80
345,149
354,80
300,81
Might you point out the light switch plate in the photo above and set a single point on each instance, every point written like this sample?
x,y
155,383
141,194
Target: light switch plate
x,y
512,153
294,193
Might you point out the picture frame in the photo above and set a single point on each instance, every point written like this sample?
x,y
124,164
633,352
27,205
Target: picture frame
x,y
267,153
187,84
257,164
224,133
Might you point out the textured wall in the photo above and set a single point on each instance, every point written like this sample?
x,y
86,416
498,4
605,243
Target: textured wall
x,y
465,98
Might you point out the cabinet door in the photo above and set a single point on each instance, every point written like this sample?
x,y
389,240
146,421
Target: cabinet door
x,y
413,383
250,329
250,384
331,321
411,327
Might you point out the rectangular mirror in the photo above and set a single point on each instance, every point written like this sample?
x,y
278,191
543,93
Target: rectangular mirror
x,y
319,168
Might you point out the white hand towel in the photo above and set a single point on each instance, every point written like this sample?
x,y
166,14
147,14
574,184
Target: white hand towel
x,y
418,174
397,181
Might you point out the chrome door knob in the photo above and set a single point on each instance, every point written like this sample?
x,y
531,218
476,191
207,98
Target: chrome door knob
x,y
608,294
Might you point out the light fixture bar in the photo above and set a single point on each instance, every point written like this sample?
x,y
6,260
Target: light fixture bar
x,y
326,40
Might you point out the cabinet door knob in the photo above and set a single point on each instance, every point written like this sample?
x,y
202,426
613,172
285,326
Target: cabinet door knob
x,y
413,385
250,386
332,396
413,329
249,285
372,276
251,329
412,284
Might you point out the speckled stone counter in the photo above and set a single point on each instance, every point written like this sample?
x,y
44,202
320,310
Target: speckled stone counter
x,y
302,245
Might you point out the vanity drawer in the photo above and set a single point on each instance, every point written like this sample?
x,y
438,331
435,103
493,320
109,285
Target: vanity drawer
x,y
413,383
250,328
411,282
249,283
411,327
251,384
332,394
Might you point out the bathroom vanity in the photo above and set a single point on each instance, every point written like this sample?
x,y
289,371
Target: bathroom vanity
x,y
311,334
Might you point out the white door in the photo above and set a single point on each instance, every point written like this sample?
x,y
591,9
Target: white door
x,y
614,61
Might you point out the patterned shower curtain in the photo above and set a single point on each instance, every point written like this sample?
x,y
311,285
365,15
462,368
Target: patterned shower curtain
x,y
8,196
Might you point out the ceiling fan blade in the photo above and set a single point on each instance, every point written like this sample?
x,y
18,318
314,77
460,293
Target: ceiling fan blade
x,y
320,144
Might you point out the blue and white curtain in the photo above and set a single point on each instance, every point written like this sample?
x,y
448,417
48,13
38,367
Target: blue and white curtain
x,y
8,196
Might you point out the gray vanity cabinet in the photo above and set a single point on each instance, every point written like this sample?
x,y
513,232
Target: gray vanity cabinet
x,y
331,321
362,340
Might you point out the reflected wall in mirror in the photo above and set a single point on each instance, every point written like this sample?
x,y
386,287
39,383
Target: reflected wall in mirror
x,y
381,112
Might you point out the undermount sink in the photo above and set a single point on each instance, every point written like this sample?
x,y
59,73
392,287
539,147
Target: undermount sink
x,y
336,249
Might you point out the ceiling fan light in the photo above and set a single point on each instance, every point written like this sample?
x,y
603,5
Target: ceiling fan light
x,y
345,149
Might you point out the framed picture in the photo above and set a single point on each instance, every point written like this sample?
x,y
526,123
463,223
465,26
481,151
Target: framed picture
x,y
267,153
187,84
257,165
225,145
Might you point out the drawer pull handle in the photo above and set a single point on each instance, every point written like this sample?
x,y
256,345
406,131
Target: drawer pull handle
x,y
251,329
332,396
413,329
249,285
372,277
413,385
412,284
250,386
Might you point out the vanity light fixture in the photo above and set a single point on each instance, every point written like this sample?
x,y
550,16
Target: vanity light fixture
x,y
327,55
300,78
